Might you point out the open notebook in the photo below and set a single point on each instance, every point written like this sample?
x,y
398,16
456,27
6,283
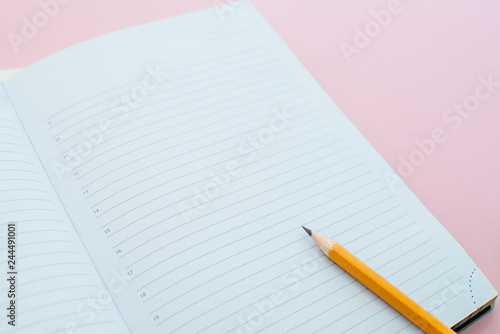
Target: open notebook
x,y
158,178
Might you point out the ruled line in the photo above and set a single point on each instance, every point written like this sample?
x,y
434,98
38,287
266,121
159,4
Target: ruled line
x,y
294,242
163,109
58,289
303,293
182,176
6,120
159,92
398,286
164,119
19,170
162,150
14,152
192,140
53,265
150,177
137,81
10,136
283,208
26,199
325,311
145,106
12,180
252,185
165,194
53,277
24,189
53,303
66,315
232,269
252,221
284,288
188,262
159,185
173,136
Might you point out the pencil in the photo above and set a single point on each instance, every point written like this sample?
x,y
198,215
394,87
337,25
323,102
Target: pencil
x,y
379,285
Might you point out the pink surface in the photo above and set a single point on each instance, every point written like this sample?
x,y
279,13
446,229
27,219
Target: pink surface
x,y
395,90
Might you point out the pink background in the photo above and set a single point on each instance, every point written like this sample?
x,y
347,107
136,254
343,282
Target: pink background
x,y
395,90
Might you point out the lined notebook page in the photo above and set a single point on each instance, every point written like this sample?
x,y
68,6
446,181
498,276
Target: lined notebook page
x,y
57,284
191,163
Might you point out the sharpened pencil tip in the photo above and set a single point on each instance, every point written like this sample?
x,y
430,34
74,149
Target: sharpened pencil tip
x,y
307,230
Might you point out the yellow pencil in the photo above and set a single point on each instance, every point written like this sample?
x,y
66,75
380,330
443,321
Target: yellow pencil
x,y
379,285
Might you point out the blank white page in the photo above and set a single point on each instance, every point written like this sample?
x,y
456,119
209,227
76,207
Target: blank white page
x,y
58,289
195,181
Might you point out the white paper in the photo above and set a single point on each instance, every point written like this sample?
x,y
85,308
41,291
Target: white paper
x,y
133,126
57,288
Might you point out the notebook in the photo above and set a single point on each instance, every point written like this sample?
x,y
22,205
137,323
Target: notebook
x,y
157,178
